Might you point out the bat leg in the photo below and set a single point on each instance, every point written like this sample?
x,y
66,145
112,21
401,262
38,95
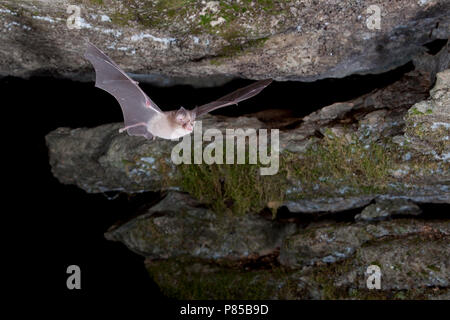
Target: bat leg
x,y
132,126
149,136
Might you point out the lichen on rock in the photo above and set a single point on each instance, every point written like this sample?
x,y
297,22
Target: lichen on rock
x,y
194,41
428,122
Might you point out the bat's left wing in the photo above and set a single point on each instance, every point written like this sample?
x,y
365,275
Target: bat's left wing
x,y
234,97
136,106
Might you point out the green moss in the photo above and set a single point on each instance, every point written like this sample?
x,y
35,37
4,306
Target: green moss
x,y
330,167
236,187
205,19
122,19
172,7
336,162
419,130
126,162
323,170
236,47
325,275
434,268
419,127
18,11
415,111
376,263
190,279
215,61
172,15
97,2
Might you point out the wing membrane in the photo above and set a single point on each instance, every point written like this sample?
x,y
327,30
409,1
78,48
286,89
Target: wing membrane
x,y
136,106
234,97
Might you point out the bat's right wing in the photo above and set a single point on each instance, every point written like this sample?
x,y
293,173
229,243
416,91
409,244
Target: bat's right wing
x,y
234,97
136,106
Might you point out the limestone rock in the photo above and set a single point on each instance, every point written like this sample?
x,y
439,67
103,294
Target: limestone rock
x,y
384,209
195,42
180,226
428,122
334,242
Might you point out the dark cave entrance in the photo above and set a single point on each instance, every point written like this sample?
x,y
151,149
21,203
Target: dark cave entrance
x,y
75,221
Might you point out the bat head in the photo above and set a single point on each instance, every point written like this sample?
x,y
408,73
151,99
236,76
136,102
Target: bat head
x,y
185,118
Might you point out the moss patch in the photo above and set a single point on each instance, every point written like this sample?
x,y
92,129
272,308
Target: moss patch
x,y
336,162
226,20
236,47
97,2
195,279
237,187
322,170
192,279
332,167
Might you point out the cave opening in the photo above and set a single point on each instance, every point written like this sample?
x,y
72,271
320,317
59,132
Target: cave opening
x,y
77,219
56,102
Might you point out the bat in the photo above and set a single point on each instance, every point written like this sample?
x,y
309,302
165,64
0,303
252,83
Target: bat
x,y
142,117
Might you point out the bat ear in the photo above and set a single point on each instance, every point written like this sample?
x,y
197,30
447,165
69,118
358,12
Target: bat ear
x,y
181,113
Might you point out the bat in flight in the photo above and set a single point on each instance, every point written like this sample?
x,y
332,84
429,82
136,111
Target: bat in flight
x,y
141,115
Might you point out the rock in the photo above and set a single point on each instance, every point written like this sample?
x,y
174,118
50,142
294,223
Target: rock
x,y
363,161
363,154
403,171
324,261
406,264
384,209
334,242
428,122
105,160
169,42
180,226
329,113
434,62
327,205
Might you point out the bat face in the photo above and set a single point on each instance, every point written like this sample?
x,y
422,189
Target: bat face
x,y
185,119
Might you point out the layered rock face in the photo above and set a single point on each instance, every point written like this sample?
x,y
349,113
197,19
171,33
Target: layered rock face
x,y
371,189
360,184
207,42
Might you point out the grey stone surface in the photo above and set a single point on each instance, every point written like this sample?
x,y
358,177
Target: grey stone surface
x,y
384,209
209,42
180,226
428,121
332,242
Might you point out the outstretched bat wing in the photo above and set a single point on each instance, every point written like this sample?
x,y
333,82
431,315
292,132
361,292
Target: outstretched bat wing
x,y
136,106
234,97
